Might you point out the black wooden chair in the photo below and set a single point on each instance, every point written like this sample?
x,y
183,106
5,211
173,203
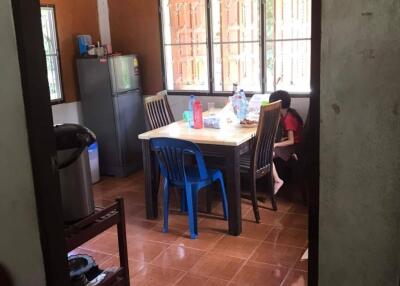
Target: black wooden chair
x,y
257,163
158,111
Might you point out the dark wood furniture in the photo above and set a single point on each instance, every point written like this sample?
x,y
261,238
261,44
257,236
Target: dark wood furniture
x,y
102,219
258,162
222,146
158,111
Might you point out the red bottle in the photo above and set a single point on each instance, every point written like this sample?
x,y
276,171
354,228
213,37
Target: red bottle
x,y
198,115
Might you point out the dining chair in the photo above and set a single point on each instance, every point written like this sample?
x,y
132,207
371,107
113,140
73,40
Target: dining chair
x,y
158,111
257,163
171,154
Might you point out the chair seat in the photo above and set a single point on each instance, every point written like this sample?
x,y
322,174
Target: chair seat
x,y
192,175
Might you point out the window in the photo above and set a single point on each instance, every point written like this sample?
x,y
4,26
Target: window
x,y
263,45
52,54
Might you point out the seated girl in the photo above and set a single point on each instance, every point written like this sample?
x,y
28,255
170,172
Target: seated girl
x,y
292,125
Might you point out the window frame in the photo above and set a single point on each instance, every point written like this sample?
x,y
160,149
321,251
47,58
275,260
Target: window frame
x,y
210,54
57,56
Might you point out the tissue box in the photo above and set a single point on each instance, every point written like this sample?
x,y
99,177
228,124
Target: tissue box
x,y
212,122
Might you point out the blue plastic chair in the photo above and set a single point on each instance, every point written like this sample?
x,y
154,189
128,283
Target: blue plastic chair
x,y
171,154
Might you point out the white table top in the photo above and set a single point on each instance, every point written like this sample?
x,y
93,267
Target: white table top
x,y
231,134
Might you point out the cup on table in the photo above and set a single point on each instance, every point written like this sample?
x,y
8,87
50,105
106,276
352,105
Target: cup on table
x,y
185,116
211,108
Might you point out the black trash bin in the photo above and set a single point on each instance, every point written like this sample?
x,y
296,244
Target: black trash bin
x,y
74,170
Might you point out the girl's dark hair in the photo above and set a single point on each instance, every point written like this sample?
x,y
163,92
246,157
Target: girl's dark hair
x,y
284,96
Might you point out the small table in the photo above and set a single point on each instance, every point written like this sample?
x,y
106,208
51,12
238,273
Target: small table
x,y
226,144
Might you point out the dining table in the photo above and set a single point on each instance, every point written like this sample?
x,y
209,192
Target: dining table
x,y
222,146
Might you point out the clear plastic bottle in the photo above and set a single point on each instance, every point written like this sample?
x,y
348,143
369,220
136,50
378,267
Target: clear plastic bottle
x,y
243,105
192,100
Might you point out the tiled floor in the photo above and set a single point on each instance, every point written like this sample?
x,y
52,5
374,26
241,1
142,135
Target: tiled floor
x,y
265,254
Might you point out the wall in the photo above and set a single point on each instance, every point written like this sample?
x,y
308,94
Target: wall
x,y
67,113
20,250
360,154
73,17
135,29
179,104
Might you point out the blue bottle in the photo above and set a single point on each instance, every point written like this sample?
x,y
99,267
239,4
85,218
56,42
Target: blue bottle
x,y
192,99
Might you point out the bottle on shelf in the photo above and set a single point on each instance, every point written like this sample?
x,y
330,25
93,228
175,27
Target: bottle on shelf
x,y
192,99
198,114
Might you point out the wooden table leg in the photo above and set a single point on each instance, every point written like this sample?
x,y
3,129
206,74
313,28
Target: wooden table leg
x,y
232,180
151,184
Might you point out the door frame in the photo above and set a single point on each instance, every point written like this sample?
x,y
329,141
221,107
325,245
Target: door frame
x,y
42,143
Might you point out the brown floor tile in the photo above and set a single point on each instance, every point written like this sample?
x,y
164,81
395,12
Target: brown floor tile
x,y
178,257
288,236
152,275
97,256
255,230
214,223
106,243
280,255
234,246
217,266
298,209
174,233
195,280
136,228
302,265
215,257
295,221
267,216
144,250
282,204
134,265
205,240
296,278
258,274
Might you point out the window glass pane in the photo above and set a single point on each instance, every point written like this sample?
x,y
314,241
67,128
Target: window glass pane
x,y
185,44
236,44
184,21
51,50
288,19
237,63
53,77
288,65
235,20
48,29
187,67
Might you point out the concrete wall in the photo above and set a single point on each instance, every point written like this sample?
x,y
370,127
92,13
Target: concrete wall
x,y
360,153
20,250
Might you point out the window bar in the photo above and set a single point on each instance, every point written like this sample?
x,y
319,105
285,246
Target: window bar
x,y
209,48
274,47
263,48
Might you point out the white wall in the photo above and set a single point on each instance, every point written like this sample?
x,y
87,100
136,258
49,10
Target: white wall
x,y
20,250
179,104
67,113
360,152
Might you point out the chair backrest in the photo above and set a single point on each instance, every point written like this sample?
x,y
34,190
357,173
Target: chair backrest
x,y
171,155
158,111
262,151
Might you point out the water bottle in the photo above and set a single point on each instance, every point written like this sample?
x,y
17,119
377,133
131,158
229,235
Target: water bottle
x,y
243,105
198,115
192,99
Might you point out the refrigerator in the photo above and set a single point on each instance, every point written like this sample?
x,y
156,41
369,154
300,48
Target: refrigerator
x,y
112,107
